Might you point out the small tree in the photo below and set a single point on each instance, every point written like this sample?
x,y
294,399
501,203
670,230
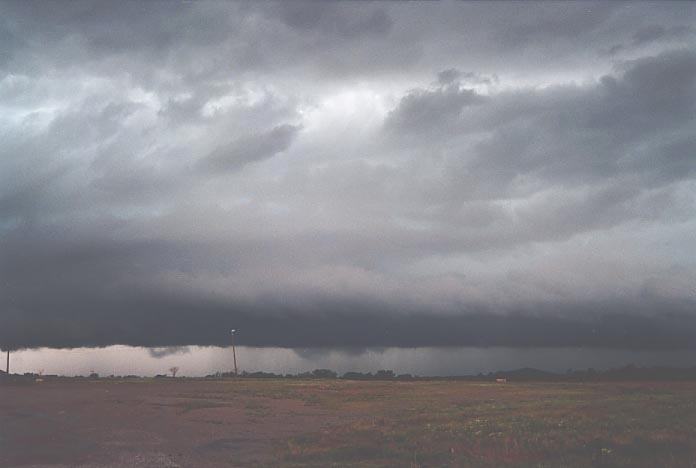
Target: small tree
x,y
324,374
174,370
384,374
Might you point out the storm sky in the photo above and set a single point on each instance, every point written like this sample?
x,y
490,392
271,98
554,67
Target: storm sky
x,y
348,174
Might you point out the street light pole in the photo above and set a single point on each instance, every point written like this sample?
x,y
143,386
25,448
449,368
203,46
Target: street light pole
x,y
234,353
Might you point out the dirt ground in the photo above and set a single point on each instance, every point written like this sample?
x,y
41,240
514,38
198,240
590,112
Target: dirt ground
x,y
269,422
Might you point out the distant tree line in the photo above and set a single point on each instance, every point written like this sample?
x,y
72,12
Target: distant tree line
x,y
318,374
629,372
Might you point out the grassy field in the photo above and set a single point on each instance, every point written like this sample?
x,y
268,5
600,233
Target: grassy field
x,y
190,422
469,424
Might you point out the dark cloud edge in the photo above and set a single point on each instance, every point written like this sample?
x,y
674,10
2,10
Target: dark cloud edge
x,y
162,322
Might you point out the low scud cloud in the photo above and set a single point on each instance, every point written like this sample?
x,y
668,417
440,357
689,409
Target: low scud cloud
x,y
351,175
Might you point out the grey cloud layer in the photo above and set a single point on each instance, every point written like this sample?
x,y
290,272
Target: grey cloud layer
x,y
450,174
250,148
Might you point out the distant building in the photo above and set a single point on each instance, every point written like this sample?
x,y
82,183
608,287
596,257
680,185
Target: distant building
x,y
501,380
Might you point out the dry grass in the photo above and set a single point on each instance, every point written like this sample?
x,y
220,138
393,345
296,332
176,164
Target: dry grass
x,y
469,424
321,423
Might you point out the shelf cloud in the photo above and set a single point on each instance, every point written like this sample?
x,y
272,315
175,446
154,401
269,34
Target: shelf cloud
x,y
348,174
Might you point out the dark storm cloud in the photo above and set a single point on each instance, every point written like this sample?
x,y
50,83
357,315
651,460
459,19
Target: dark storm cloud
x,y
248,149
567,134
163,46
424,111
653,33
153,321
335,174
50,300
332,18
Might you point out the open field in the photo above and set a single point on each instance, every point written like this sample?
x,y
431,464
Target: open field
x,y
274,422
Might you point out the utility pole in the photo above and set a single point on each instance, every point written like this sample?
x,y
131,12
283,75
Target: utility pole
x,y
234,353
